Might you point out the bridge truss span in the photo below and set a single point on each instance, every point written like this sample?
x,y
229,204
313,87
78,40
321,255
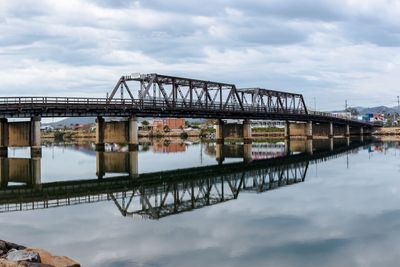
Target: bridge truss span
x,y
159,95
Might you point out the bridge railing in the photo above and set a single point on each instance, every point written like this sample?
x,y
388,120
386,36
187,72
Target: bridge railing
x,y
155,103
139,103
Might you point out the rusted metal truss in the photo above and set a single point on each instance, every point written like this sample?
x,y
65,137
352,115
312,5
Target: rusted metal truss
x,y
177,197
273,101
187,93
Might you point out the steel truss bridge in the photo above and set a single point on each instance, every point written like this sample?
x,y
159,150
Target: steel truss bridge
x,y
160,194
167,96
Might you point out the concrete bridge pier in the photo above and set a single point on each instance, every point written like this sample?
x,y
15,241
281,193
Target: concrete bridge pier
x,y
36,148
287,130
331,143
219,154
247,153
36,171
347,130
287,146
100,162
247,138
309,130
331,130
133,133
3,172
309,146
3,138
100,127
219,132
133,164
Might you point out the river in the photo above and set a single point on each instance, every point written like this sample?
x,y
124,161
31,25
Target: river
x,y
188,203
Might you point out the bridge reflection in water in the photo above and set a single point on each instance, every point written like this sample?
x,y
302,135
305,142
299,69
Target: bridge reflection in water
x,y
159,194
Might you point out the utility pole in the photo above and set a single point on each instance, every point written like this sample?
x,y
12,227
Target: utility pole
x,y
345,105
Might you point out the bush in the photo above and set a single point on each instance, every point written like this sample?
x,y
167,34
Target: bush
x,y
184,135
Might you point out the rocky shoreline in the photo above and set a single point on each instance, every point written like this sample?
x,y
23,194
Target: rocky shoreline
x,y
14,255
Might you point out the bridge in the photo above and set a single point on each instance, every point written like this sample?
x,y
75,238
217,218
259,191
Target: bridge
x,y
155,95
160,194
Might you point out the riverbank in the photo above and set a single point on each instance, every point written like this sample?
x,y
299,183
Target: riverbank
x,y
195,133
387,131
14,255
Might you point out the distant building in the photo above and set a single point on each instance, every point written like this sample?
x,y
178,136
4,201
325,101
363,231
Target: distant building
x,y
172,123
82,127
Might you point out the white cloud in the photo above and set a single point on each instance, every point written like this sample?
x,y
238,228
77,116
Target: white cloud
x,y
316,49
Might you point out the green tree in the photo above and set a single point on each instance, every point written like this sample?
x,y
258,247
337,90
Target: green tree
x,y
166,129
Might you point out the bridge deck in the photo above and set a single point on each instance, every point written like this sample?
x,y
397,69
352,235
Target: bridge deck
x,y
26,107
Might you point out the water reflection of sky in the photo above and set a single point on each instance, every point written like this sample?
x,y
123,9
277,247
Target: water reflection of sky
x,y
346,213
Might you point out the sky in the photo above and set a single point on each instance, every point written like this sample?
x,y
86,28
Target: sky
x,y
330,51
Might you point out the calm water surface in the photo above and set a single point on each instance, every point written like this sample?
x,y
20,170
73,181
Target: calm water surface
x,y
325,208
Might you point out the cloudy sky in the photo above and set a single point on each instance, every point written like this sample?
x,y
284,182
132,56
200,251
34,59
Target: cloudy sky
x,y
327,50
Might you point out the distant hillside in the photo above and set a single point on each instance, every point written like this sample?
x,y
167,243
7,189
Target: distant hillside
x,y
378,109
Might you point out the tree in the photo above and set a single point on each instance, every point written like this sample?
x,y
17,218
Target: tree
x,y
166,129
353,111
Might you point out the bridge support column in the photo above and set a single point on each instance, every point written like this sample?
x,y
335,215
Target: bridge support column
x,y
36,171
100,172
247,153
100,134
330,130
287,130
347,130
361,131
4,173
3,138
133,164
219,132
247,132
309,130
133,133
348,141
331,143
36,148
219,154
309,146
287,147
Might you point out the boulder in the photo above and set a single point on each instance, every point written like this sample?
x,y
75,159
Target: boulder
x,y
22,255
7,263
56,261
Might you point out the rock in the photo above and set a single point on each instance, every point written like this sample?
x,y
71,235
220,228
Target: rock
x,y
3,245
56,261
22,255
7,263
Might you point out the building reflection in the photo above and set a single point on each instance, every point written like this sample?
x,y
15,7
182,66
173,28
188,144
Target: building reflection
x,y
160,194
168,146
